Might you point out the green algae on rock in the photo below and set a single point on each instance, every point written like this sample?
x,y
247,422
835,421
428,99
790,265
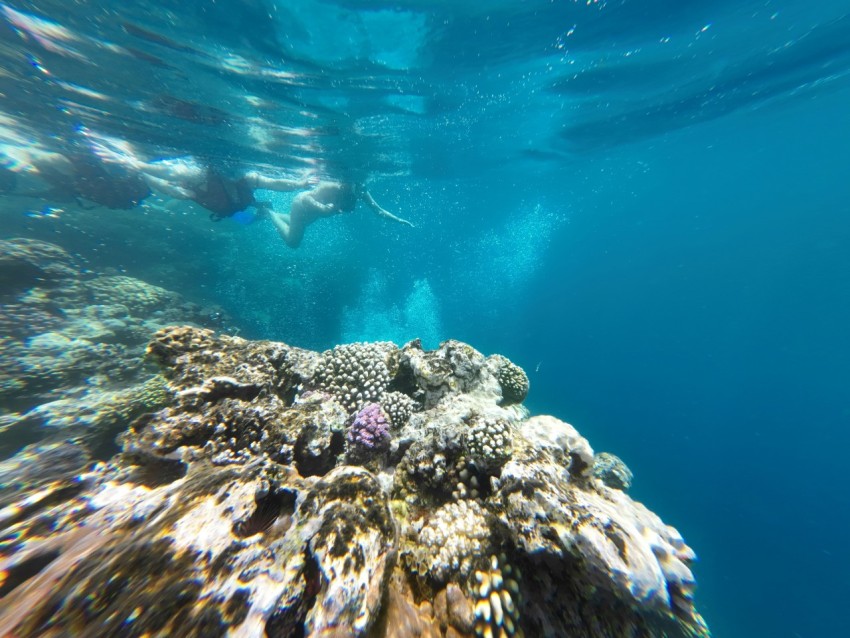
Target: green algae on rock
x,y
233,511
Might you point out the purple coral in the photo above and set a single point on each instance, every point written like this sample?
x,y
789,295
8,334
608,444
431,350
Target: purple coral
x,y
370,431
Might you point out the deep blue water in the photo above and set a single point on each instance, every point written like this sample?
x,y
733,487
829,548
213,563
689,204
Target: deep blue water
x,y
701,331
645,204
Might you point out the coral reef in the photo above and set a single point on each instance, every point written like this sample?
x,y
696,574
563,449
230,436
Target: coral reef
x,y
512,380
369,434
236,510
497,593
611,470
398,406
72,345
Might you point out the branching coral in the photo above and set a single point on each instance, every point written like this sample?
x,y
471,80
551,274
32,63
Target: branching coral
x,y
398,407
488,443
369,433
355,374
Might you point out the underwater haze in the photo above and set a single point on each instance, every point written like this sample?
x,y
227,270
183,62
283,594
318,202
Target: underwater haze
x,y
645,204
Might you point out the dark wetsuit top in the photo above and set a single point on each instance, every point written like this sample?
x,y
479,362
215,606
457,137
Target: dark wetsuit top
x,y
222,196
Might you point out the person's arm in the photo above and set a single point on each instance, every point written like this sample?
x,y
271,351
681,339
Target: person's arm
x,y
380,211
256,180
314,203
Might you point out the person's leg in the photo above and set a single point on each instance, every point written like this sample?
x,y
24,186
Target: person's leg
x,y
292,234
47,161
165,187
185,172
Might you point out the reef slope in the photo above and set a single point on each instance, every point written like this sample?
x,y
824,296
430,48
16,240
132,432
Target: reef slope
x,y
72,345
368,490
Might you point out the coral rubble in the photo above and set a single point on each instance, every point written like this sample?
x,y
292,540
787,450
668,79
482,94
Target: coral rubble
x,y
284,492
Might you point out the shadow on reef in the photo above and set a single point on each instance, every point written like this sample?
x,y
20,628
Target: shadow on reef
x,y
368,490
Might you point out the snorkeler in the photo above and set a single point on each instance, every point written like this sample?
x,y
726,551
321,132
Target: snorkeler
x,y
74,176
222,194
324,200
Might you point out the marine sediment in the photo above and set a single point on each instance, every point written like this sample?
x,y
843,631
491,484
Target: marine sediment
x,y
369,490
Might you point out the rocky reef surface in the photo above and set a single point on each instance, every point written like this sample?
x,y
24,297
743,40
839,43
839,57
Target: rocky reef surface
x,y
368,490
72,345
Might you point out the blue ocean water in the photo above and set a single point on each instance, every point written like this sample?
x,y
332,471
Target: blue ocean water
x,y
644,204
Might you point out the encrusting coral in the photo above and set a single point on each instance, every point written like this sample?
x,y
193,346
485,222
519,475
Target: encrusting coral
x,y
236,510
